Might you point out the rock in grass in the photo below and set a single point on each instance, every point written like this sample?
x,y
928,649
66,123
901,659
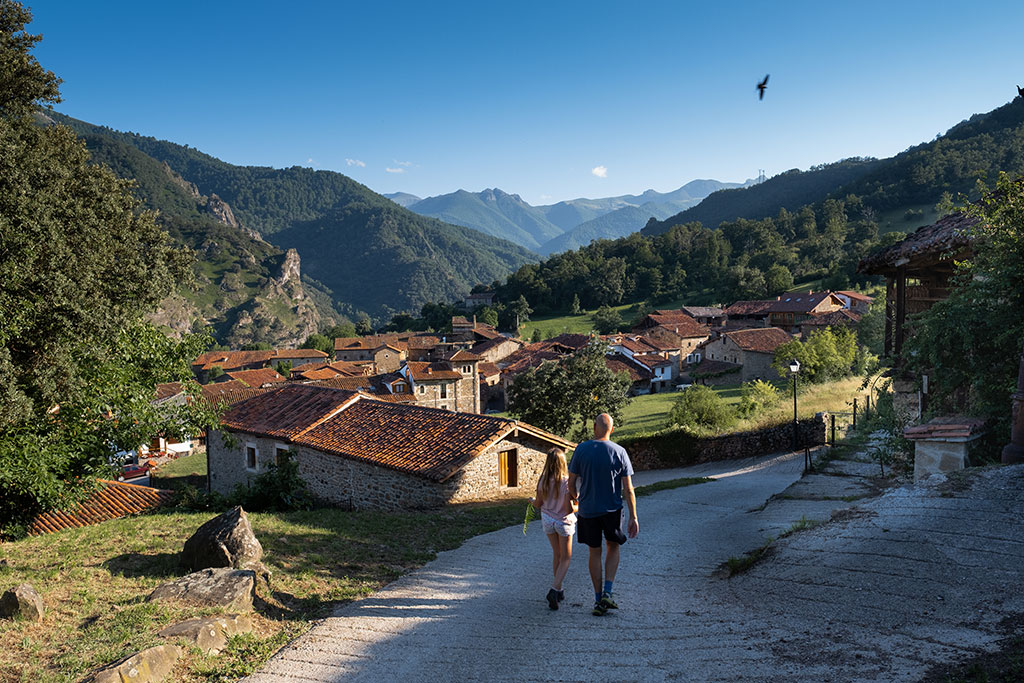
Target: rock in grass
x,y
148,666
209,634
226,540
22,601
223,587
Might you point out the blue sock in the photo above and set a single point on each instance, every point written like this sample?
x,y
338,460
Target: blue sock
x,y
608,587
597,597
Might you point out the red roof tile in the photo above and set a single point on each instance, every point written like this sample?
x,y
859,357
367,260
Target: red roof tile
x,y
949,427
652,360
425,442
750,308
168,390
759,339
111,500
286,412
801,302
856,295
256,378
299,353
616,362
950,233
432,372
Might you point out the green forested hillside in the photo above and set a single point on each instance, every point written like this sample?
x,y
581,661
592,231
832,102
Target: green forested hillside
x,y
240,284
743,258
789,190
371,253
613,225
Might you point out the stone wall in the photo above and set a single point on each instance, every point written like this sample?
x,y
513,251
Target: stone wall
x,y
680,449
428,395
758,366
468,388
479,479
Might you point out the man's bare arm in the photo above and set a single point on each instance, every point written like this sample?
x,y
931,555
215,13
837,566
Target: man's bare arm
x,y
634,523
573,494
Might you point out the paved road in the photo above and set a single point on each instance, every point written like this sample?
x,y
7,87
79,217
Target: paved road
x,y
922,574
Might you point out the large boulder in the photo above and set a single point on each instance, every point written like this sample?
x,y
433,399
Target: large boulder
x,y
226,540
233,589
149,666
209,634
22,601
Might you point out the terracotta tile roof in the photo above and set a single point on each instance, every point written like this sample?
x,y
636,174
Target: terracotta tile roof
x,y
750,308
759,339
111,500
323,371
660,345
286,412
462,355
486,369
950,233
461,321
426,442
680,323
652,360
432,372
832,318
616,362
370,343
256,378
168,390
703,311
524,359
422,341
707,368
635,344
800,302
856,295
299,353
950,427
486,345
367,383
486,331
229,360
223,390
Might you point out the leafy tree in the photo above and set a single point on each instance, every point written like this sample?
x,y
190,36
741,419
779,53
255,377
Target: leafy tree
x,y
871,328
284,368
562,397
701,407
825,355
345,329
81,266
970,344
320,342
487,315
363,325
438,316
606,320
576,310
778,279
536,336
215,372
521,309
757,396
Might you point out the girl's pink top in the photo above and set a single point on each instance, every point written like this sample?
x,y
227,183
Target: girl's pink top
x,y
557,506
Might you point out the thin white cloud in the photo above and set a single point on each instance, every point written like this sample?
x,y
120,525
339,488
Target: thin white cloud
x,y
407,164
311,162
355,162
395,170
600,171
545,196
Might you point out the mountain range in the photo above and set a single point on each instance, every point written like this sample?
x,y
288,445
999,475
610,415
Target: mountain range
x,y
251,227
557,227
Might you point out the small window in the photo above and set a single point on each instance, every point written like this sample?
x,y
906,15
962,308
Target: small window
x,y
250,457
280,453
444,391
508,468
422,389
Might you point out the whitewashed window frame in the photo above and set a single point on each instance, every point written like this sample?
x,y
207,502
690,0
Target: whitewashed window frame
x,y
255,457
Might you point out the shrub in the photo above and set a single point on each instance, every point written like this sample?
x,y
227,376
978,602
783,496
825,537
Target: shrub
x,y
700,407
758,396
279,489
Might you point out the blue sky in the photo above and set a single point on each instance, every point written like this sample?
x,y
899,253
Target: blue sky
x,y
534,98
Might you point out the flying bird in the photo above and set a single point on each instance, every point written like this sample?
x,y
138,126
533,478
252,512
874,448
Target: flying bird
x,y
764,84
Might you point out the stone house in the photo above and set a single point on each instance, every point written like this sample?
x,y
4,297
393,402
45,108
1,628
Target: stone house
x,y
452,384
497,349
298,357
789,310
840,318
357,452
753,349
712,316
478,299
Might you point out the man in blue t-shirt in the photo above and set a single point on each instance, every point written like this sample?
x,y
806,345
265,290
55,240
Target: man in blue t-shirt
x,y
603,472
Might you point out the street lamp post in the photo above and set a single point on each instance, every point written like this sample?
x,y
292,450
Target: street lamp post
x,y
794,368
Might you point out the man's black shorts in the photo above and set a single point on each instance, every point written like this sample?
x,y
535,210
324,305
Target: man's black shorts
x,y
590,529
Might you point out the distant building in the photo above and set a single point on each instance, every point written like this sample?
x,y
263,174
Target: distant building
x,y
855,301
791,309
752,349
743,314
474,301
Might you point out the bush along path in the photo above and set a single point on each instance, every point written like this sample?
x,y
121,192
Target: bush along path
x,y
878,591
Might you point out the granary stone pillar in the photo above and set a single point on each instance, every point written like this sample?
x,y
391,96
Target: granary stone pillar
x,y
1013,452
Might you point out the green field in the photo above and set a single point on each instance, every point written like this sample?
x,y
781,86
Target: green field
x,y
552,326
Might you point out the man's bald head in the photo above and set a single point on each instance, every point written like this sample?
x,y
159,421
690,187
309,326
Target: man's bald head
x,y
603,425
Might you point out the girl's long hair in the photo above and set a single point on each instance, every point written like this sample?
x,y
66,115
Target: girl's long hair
x,y
555,470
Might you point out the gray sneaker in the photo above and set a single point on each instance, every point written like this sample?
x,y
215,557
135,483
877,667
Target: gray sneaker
x,y
606,600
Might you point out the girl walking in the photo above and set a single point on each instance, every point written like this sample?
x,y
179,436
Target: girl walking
x,y
557,513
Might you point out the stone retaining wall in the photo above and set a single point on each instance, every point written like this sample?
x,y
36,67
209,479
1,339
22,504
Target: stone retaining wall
x,y
680,449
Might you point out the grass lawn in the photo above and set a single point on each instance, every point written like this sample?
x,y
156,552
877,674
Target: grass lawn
x,y
552,326
190,470
94,581
649,413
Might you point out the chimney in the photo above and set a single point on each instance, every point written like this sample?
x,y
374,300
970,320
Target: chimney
x,y
430,371
474,321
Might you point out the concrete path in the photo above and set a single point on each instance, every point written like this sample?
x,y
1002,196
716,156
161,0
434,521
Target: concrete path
x,y
919,575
